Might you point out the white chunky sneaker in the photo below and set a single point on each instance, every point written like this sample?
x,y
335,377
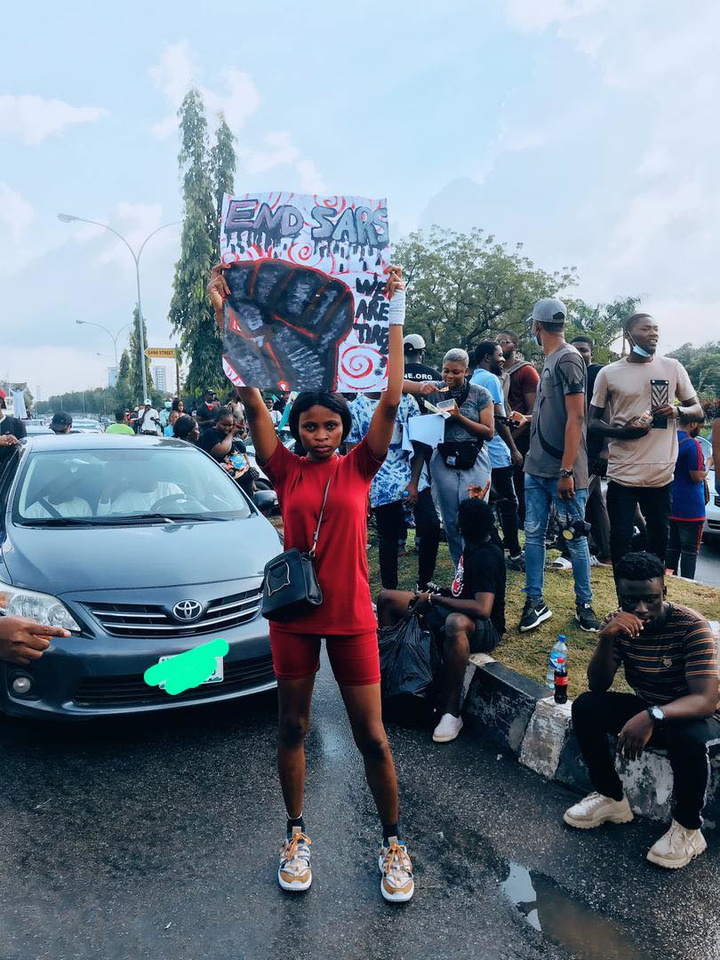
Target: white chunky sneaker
x,y
397,884
595,809
294,872
448,728
677,847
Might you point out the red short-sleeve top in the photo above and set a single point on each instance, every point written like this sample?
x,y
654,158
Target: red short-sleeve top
x,y
341,556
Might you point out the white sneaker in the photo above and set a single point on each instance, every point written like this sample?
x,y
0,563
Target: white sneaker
x,y
448,728
677,847
595,809
294,872
396,884
561,564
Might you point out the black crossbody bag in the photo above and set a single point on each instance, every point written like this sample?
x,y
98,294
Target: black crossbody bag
x,y
460,454
291,587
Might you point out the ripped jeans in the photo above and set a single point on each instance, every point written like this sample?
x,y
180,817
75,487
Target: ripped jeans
x,y
540,492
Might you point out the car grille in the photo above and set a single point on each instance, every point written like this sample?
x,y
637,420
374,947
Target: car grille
x,y
717,500
133,691
150,620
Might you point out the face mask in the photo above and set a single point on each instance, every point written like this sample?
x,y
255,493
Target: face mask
x,y
167,405
639,350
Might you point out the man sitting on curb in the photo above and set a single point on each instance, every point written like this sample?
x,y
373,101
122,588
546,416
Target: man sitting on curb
x,y
470,616
670,659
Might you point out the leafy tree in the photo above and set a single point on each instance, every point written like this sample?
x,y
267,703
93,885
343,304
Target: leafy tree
x,y
465,287
190,311
223,163
134,379
603,323
122,386
703,365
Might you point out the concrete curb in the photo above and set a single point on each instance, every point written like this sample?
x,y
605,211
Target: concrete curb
x,y
518,716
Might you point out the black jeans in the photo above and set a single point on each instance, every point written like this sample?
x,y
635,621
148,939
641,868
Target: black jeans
x,y
655,505
390,519
595,715
597,516
684,547
503,494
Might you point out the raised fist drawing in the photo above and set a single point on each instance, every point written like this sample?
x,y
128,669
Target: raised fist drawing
x,y
283,324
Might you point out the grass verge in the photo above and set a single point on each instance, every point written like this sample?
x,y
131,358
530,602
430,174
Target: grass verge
x,y
528,652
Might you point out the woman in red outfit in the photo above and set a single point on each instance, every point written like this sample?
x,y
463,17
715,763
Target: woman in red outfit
x,y
345,619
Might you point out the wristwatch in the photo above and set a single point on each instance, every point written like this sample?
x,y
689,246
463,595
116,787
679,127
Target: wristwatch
x,y
567,473
656,714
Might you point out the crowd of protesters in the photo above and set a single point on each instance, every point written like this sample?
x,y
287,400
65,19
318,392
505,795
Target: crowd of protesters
x,y
608,458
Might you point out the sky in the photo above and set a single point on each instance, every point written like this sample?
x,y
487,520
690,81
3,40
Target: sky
x,y
582,128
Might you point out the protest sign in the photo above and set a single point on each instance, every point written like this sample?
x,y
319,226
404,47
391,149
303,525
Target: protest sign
x,y
306,306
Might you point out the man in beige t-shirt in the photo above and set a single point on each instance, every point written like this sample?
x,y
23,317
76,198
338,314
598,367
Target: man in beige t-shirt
x,y
639,394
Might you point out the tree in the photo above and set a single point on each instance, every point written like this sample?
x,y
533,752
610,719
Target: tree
x,y
134,379
223,162
603,323
703,365
191,313
465,287
122,385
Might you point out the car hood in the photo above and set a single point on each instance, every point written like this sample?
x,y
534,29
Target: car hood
x,y
64,560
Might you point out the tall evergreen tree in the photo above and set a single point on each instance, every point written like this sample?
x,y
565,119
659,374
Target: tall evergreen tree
x,y
134,379
223,162
190,311
122,386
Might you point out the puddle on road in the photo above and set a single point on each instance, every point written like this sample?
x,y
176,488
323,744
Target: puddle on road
x,y
568,922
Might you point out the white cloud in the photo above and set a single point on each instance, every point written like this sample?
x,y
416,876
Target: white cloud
x,y
33,119
135,221
16,213
237,97
537,15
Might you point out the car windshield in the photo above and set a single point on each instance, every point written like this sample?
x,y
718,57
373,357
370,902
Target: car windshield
x,y
168,481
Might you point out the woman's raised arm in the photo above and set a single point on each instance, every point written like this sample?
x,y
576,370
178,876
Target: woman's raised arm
x,y
262,429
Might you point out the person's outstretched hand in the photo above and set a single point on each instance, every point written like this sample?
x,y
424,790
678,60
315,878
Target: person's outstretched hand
x,y
23,640
217,289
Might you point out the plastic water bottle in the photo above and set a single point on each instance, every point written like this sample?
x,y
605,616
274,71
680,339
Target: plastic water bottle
x,y
559,650
561,681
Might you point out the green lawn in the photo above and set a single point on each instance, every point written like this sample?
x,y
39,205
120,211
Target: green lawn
x,y
528,653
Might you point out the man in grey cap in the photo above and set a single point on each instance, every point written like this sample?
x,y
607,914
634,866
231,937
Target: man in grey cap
x,y
556,469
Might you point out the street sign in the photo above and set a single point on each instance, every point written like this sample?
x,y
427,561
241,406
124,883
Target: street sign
x,y
167,353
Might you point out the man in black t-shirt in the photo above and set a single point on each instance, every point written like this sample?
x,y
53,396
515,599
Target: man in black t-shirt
x,y
415,369
11,430
469,617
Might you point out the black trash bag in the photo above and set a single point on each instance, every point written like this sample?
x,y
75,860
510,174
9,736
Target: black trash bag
x,y
410,668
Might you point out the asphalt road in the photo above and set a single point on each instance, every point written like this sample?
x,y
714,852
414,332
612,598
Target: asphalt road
x,y
708,565
158,837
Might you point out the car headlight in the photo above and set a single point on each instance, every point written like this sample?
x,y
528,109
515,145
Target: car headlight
x,y
17,602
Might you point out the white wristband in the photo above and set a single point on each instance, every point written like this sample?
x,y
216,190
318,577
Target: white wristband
x,y
396,313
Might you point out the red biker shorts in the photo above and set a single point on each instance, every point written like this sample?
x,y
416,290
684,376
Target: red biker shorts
x,y
355,659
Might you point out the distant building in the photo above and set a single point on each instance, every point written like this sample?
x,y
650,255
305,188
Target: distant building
x,y
112,376
159,375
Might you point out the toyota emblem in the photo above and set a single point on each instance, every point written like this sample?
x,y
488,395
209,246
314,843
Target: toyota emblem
x,y
187,610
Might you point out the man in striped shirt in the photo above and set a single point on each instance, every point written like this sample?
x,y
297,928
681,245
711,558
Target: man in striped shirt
x,y
670,659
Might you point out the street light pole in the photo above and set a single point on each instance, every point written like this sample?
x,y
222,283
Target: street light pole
x,y
90,323
70,218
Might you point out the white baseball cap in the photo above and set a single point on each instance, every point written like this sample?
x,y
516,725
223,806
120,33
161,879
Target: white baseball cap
x,y
414,341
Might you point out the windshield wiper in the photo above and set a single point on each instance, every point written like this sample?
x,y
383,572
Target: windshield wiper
x,y
60,522
94,521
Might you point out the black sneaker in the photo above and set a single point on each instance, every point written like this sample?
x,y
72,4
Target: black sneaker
x,y
516,563
534,614
585,618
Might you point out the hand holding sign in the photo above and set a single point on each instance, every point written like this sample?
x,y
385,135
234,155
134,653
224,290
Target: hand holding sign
x,y
187,670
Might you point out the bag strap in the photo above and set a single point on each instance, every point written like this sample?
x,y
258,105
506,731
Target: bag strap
x,y
320,519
